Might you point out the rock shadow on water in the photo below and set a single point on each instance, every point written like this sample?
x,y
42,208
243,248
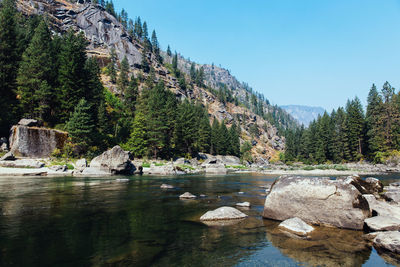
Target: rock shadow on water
x,y
324,246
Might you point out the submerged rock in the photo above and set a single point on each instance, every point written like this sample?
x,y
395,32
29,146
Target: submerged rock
x,y
187,195
318,201
113,161
297,226
166,186
382,223
223,213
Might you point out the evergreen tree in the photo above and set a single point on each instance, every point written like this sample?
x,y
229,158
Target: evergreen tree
x,y
72,75
123,78
137,143
200,77
390,115
375,131
109,7
185,128
35,75
355,127
138,28
111,67
169,53
8,65
193,72
234,142
215,141
131,95
203,142
94,90
145,31
81,126
175,62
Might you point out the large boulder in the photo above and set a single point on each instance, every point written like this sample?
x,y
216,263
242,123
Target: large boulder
x,y
80,165
317,201
223,213
113,161
22,163
35,142
216,168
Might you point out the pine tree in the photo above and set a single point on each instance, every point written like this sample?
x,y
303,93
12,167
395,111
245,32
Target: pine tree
x,y
94,90
203,142
185,128
154,43
72,75
145,31
175,62
215,142
34,75
123,78
375,131
169,53
193,72
138,28
131,95
355,128
234,142
137,143
8,65
81,126
111,67
390,115
200,77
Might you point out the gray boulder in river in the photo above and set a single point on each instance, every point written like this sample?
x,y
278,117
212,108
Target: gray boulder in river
x,y
223,213
114,161
318,201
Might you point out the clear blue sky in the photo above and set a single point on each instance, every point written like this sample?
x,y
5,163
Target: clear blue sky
x,y
307,52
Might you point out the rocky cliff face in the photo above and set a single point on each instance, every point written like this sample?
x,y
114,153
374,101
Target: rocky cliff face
x,y
104,32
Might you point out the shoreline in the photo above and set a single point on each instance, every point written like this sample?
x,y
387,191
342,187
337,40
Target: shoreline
x,y
45,171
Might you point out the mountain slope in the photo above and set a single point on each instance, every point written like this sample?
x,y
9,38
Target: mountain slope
x,y
259,121
304,114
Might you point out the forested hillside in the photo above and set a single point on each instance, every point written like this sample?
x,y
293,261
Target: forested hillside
x,y
102,77
350,134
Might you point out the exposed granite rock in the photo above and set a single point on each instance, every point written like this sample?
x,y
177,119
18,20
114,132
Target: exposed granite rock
x,y
243,204
382,208
382,223
22,163
113,161
388,243
187,195
166,186
318,201
35,142
297,226
28,122
223,213
8,156
80,165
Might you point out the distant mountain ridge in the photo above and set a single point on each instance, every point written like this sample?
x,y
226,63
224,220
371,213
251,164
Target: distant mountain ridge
x,y
304,114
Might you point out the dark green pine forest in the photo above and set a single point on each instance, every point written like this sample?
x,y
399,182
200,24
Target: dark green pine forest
x,y
351,134
50,78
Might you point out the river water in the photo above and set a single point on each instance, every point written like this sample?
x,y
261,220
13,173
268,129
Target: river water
x,y
104,222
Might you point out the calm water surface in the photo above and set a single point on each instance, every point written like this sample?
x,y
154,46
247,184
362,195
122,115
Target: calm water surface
x,y
104,222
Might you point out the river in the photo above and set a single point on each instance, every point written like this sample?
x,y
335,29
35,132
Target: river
x,y
73,221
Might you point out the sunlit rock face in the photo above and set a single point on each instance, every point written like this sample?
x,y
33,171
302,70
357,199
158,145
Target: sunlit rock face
x,y
319,201
35,142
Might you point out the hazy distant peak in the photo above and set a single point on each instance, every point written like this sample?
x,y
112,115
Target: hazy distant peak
x,y
304,114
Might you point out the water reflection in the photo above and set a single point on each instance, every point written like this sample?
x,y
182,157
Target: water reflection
x,y
102,222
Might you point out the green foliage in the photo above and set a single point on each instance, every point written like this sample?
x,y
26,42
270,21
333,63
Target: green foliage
x,y
137,143
111,67
245,151
8,65
80,126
